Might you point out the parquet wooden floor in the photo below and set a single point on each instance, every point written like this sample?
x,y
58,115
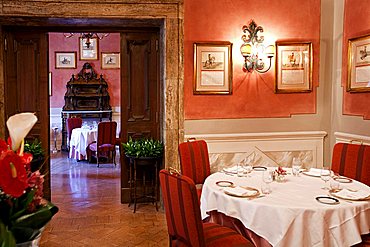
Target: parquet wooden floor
x,y
90,212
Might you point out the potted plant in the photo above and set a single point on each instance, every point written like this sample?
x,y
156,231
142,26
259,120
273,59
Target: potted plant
x,y
143,148
35,148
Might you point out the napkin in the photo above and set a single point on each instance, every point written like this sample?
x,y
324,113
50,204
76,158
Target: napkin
x,y
239,191
233,169
356,195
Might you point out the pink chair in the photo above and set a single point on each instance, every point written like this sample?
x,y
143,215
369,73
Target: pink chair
x,y
105,144
72,123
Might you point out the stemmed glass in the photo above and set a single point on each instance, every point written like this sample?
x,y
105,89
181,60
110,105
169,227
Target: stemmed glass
x,y
296,166
325,176
267,178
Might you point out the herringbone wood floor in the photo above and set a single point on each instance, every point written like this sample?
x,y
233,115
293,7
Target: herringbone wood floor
x,y
90,212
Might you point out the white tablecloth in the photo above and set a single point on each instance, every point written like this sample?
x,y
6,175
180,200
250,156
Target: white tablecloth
x,y
290,215
80,139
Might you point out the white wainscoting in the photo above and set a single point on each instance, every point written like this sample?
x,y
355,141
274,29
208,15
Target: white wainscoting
x,y
271,149
351,138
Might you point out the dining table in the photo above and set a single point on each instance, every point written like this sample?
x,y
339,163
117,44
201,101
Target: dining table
x,y
296,212
80,139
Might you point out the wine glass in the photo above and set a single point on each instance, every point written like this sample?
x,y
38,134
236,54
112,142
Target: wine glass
x,y
296,166
325,176
267,178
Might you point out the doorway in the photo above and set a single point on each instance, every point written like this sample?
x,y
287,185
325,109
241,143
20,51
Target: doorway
x,y
139,53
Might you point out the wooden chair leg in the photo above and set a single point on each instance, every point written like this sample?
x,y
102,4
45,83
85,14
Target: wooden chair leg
x,y
97,157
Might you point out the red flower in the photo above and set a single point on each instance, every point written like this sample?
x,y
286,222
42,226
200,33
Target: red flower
x,y
3,146
13,175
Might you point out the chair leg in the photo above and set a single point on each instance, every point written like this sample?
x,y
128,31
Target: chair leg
x,y
97,157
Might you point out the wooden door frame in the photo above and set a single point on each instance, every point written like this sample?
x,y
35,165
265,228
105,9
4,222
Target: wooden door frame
x,y
167,15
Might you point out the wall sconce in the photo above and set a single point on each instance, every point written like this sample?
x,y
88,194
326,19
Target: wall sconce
x,y
87,36
253,50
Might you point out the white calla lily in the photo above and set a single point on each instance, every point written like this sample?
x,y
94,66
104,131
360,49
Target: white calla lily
x,y
19,125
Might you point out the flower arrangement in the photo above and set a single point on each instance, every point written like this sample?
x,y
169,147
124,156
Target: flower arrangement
x,y
280,174
23,210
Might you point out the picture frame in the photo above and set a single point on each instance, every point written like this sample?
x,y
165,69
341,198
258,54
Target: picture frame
x,y
65,60
293,67
91,52
212,68
110,60
359,64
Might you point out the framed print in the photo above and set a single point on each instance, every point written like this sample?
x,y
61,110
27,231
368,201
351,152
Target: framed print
x,y
65,60
212,68
293,67
359,64
110,60
91,52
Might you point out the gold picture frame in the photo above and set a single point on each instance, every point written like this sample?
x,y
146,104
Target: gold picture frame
x,y
91,52
293,67
212,68
110,60
359,64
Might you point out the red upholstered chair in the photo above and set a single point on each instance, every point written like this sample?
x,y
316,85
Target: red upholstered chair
x,y
185,227
352,160
194,161
105,144
72,123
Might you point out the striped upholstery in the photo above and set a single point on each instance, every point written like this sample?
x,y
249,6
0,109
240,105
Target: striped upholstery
x,y
106,141
353,161
185,227
194,160
72,123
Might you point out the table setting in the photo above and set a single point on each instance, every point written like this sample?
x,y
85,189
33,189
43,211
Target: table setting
x,y
275,209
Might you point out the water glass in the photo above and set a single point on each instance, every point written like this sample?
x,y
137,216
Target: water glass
x,y
267,178
325,176
334,185
240,169
296,166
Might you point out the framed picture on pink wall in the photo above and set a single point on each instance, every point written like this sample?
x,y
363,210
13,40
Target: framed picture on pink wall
x,y
212,68
88,49
110,60
293,67
65,60
359,64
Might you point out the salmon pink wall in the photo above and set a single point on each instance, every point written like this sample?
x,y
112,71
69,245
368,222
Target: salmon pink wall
x,y
356,24
60,77
253,93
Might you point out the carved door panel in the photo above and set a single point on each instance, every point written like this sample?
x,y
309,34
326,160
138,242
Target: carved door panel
x,y
140,99
26,84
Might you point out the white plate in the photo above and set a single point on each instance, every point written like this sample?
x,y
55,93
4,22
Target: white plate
x,y
224,183
312,174
327,200
242,191
341,179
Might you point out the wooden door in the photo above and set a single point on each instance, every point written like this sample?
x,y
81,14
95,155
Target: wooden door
x,y
140,101
26,85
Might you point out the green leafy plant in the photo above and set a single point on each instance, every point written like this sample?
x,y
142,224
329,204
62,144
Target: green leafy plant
x,y
143,148
35,148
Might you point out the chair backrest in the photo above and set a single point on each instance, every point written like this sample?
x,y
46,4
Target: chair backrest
x,y
352,160
106,133
71,123
182,209
194,160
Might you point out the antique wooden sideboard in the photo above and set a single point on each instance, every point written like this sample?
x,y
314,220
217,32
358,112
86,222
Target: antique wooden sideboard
x,y
87,97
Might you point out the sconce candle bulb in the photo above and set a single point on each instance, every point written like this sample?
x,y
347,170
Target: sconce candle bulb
x,y
253,50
